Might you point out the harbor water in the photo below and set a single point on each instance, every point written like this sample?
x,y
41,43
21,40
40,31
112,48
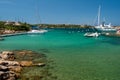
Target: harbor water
x,y
75,57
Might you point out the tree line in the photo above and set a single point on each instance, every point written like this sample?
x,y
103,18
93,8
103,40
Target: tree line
x,y
26,27
64,26
12,26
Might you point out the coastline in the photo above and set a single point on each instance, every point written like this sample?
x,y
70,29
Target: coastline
x,y
13,34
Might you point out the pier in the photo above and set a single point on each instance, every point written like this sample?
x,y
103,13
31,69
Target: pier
x,y
14,34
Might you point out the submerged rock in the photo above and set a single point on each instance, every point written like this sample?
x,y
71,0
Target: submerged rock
x,y
16,69
26,63
39,64
12,63
27,55
9,75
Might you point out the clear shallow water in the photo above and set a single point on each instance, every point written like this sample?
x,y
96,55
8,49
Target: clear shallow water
x,y
76,57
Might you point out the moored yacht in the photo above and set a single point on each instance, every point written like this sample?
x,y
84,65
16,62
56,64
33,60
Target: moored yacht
x,y
36,29
103,27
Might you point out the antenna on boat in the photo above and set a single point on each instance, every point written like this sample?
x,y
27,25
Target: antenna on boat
x,y
99,15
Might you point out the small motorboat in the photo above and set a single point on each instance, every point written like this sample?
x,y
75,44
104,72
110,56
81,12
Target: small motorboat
x,y
91,34
36,31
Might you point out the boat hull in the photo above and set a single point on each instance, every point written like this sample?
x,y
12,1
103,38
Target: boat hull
x,y
37,31
91,34
106,29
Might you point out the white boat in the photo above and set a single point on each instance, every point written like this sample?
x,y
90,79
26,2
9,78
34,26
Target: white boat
x,y
103,27
91,34
36,31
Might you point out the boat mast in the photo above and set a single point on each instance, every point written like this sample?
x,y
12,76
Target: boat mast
x,y
38,13
99,15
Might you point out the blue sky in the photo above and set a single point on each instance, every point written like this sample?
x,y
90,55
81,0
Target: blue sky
x,y
60,11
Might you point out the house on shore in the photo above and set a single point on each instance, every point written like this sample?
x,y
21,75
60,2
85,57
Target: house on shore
x,y
12,23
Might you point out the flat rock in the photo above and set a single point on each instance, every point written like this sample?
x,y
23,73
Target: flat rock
x,y
9,63
26,63
7,55
3,68
16,69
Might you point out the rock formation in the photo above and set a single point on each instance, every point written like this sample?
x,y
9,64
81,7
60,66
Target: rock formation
x,y
10,67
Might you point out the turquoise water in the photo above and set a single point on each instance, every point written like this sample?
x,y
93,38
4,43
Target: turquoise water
x,y
75,57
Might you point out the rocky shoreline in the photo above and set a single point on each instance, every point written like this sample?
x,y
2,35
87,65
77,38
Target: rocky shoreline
x,y
13,63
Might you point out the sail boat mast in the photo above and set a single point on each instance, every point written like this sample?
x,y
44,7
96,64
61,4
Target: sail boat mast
x,y
38,13
99,15
103,27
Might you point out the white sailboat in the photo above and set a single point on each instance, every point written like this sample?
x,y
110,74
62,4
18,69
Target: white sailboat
x,y
37,29
103,27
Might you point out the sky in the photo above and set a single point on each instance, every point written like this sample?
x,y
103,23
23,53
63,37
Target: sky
x,y
60,11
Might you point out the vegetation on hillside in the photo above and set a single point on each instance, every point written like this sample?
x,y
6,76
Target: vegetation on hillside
x,y
19,26
64,26
14,27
